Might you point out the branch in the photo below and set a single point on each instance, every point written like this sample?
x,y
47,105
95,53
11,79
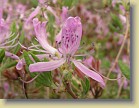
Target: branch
x,y
69,90
120,50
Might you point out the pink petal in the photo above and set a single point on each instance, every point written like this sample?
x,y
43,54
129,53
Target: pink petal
x,y
11,55
46,66
40,30
19,65
71,35
64,13
89,72
88,61
1,13
33,14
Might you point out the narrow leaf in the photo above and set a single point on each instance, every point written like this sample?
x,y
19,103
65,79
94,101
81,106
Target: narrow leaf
x,y
124,69
2,54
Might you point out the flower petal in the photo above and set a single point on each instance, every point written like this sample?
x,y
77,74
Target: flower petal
x,y
64,13
71,35
19,65
89,72
46,66
11,55
33,14
40,30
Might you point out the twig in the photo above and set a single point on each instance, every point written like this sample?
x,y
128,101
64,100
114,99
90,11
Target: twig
x,y
69,90
120,50
120,88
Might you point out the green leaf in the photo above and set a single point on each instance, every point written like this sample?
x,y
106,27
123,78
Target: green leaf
x,y
87,82
69,3
27,58
34,3
75,83
13,27
116,24
11,64
86,85
35,57
2,54
124,69
8,65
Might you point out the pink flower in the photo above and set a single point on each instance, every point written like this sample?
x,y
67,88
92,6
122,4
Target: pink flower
x,y
42,36
70,40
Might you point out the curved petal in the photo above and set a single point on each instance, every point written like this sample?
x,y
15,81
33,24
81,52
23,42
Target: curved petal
x,y
89,72
71,35
40,30
64,13
33,14
11,55
19,65
46,66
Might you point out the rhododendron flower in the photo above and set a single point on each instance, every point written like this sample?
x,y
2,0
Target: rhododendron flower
x,y
42,36
70,40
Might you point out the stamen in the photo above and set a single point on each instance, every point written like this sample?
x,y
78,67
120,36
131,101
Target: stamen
x,y
38,51
36,39
22,46
9,46
58,46
10,35
13,40
34,46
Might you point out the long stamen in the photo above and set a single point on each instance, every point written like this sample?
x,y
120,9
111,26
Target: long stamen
x,y
87,54
32,49
11,41
38,51
9,46
34,46
58,46
10,35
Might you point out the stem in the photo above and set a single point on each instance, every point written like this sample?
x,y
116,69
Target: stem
x,y
120,88
120,50
69,90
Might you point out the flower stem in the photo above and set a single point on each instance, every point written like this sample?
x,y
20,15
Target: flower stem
x,y
120,50
69,90
120,88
